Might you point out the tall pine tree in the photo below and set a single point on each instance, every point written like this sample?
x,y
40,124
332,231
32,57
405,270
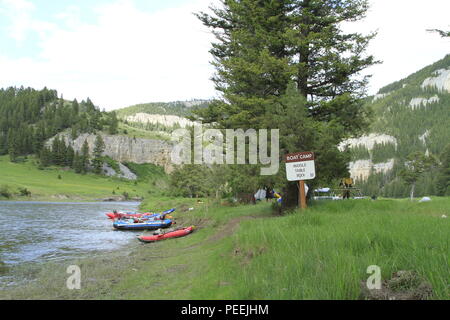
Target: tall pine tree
x,y
443,181
84,158
97,161
263,46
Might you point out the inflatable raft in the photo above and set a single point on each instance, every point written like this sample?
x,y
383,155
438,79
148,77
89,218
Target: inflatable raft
x,y
174,234
144,225
125,215
155,216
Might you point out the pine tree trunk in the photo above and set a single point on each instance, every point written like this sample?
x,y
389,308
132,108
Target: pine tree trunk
x,y
412,191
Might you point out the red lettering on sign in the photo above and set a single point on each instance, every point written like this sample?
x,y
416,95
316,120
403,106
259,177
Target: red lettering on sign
x,y
300,157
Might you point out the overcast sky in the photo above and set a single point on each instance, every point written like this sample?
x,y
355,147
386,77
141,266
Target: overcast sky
x,y
124,52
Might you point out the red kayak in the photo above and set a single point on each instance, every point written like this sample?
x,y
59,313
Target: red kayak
x,y
174,234
120,215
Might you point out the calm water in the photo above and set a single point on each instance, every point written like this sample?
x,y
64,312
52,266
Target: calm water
x,y
45,231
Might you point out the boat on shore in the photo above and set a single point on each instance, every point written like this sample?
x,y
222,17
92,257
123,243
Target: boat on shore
x,y
126,215
121,215
173,234
131,224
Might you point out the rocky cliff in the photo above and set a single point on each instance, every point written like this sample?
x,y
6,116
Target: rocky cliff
x,y
166,120
126,149
410,115
360,169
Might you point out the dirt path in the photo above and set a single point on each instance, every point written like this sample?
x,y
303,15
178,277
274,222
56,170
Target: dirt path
x,y
230,228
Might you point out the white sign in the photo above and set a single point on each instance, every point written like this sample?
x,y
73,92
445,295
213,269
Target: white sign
x,y
300,166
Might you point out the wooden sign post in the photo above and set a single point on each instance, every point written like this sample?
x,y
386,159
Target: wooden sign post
x,y
300,166
302,195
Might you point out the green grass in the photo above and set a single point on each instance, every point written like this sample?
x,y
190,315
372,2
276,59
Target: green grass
x,y
134,132
45,185
147,171
322,253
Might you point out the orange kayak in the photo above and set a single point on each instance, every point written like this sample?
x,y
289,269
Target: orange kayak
x,y
174,234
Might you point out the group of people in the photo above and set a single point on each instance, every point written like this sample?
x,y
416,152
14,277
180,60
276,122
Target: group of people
x,y
268,194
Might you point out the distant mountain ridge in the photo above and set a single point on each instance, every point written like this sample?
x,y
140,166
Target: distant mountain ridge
x,y
176,108
412,114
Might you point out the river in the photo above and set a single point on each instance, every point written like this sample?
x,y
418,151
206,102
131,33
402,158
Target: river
x,y
46,231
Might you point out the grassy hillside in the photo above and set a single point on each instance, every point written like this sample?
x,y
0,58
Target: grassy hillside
x,y
247,253
45,184
136,132
179,108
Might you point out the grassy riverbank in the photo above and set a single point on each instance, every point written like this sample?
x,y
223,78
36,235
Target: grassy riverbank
x,y
246,253
56,184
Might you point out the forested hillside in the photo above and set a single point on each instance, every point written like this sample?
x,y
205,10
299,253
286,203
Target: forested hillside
x,y
29,117
415,112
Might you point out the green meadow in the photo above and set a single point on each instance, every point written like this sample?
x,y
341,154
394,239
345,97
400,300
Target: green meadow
x,y
135,132
245,252
56,184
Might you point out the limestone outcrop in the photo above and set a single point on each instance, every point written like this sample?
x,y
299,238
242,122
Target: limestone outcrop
x,y
126,149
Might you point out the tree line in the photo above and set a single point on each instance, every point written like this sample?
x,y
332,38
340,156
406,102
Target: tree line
x,y
418,175
29,117
63,155
150,126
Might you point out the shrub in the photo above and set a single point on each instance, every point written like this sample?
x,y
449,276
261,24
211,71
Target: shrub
x,y
4,192
111,163
24,192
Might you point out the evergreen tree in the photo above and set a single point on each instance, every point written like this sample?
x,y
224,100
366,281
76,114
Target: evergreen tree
x,y
418,163
29,117
70,154
74,131
84,158
12,146
45,157
263,45
75,108
190,181
57,157
77,164
3,144
113,123
38,139
443,181
99,148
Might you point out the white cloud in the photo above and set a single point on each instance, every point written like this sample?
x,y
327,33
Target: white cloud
x,y
127,56
19,12
403,44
